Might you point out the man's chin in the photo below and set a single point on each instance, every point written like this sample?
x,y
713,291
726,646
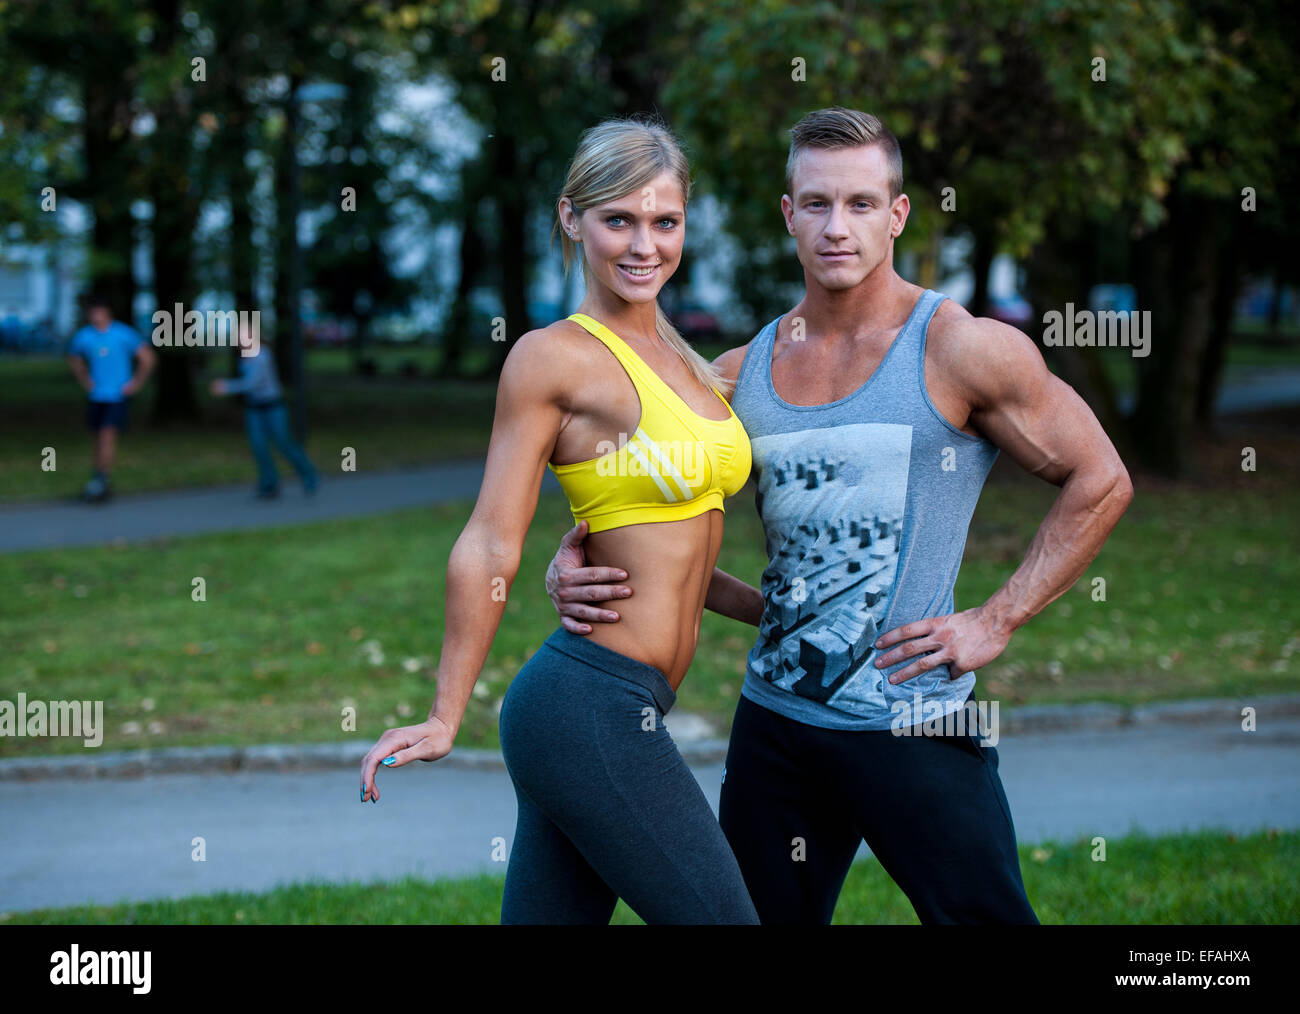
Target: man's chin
x,y
839,280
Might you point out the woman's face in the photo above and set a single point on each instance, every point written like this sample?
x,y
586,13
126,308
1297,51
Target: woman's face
x,y
632,244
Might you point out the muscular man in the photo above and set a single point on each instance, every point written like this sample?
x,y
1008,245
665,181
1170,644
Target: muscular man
x,y
875,410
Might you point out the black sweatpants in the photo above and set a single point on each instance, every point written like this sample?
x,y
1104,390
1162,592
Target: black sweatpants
x,y
797,800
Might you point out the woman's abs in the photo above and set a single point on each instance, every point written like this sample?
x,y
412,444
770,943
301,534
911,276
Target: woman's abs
x,y
669,567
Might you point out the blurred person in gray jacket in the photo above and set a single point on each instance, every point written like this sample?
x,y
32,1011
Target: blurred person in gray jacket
x,y
267,420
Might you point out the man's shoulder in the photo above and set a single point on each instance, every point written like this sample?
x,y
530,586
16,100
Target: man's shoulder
x,y
955,331
126,333
728,364
978,350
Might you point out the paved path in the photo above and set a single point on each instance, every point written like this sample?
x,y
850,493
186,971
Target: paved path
x,y
225,508
67,841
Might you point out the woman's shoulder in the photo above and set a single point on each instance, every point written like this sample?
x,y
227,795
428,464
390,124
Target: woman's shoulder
x,y
561,355
563,344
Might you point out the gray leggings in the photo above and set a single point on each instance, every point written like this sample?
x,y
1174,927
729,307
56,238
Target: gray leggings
x,y
607,807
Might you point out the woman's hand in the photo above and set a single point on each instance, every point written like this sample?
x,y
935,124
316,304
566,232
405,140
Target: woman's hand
x,y
427,741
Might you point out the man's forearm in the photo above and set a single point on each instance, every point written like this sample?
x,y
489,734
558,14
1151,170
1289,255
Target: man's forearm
x,y
78,368
1068,540
729,596
479,574
143,367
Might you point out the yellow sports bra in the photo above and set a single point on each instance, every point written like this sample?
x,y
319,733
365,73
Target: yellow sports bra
x,y
676,465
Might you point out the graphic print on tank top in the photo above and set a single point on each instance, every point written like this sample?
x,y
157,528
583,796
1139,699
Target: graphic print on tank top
x,y
839,493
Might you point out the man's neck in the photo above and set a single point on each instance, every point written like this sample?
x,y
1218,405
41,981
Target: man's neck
x,y
873,304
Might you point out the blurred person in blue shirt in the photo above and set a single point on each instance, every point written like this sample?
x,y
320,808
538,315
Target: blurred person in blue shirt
x,y
111,361
266,419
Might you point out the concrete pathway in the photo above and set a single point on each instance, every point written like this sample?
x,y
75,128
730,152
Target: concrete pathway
x,y
140,516
71,841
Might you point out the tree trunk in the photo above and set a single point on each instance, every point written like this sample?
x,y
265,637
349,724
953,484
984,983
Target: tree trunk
x,y
1059,271
176,200
286,248
1227,283
106,96
239,179
455,337
981,263
512,212
1176,269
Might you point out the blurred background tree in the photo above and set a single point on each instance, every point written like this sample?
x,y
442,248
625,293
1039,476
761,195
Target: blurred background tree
x,y
1091,141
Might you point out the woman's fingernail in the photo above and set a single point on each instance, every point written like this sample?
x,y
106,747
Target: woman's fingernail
x,y
390,761
363,793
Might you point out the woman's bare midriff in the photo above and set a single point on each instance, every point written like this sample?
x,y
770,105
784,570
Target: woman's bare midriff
x,y
669,566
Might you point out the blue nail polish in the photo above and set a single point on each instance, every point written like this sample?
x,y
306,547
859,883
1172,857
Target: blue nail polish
x,y
390,761
363,793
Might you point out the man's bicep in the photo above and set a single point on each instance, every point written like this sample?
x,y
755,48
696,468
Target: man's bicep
x,y
1031,414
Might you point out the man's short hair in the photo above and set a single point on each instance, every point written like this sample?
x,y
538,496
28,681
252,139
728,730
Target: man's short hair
x,y
837,127
96,299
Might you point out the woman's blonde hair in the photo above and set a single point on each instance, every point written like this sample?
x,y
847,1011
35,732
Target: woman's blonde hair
x,y
615,158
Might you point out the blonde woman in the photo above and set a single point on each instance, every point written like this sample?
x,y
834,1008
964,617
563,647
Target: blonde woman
x,y
632,422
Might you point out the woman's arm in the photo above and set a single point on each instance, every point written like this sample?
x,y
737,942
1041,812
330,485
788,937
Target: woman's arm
x,y
531,403
732,597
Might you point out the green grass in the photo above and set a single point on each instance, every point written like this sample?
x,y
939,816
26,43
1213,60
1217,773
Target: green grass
x,y
391,421
1206,878
302,622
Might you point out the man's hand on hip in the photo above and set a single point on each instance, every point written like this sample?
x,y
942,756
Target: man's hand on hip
x,y
570,584
963,641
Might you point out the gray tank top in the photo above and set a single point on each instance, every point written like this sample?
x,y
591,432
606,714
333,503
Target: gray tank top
x,y
865,503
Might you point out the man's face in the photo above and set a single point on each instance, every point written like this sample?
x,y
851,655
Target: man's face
x,y
841,215
623,238
99,317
